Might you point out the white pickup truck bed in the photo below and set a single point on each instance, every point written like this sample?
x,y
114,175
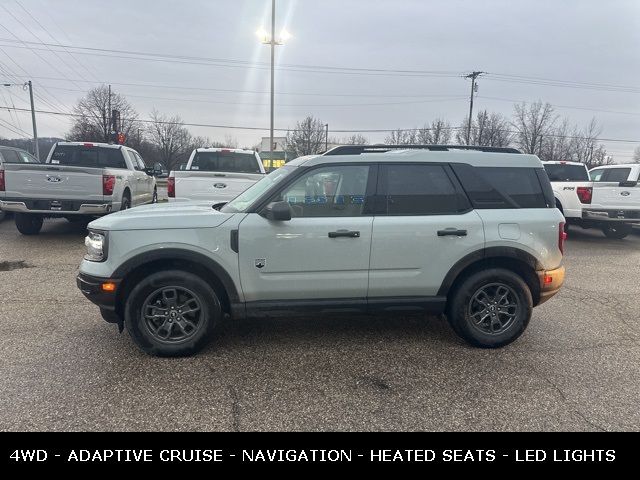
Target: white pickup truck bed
x,y
215,175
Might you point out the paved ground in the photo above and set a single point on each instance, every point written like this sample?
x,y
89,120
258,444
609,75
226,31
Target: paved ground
x,y
63,368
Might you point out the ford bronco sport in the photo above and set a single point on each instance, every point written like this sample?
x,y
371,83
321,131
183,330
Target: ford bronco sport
x,y
472,232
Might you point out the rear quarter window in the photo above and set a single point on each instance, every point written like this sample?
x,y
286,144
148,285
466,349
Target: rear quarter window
x,y
504,187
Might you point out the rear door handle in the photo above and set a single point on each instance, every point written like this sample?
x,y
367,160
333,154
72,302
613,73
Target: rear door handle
x,y
452,231
344,233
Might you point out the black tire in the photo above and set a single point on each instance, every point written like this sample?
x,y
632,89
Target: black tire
x,y
513,320
162,331
2,215
617,231
154,198
28,223
126,202
79,220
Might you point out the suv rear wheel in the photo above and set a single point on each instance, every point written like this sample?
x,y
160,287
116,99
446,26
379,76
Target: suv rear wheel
x,y
28,223
490,308
171,313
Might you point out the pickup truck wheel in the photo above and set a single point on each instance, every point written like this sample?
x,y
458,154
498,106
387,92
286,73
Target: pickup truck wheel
x,y
172,313
2,215
28,223
154,199
126,203
617,232
490,308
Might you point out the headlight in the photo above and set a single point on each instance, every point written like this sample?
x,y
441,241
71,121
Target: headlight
x,y
96,247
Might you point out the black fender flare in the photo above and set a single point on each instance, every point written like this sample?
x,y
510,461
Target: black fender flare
x,y
484,254
179,254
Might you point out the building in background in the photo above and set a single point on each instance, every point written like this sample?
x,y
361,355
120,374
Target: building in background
x,y
279,154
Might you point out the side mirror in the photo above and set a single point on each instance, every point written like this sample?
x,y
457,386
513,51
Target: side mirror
x,y
278,211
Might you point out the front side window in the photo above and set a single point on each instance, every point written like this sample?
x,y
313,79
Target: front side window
x,y
421,190
333,191
27,157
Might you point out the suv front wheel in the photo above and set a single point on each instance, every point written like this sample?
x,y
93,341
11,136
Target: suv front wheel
x,y
490,308
172,313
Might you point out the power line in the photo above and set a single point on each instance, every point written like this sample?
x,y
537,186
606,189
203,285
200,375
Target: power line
x,y
237,127
570,107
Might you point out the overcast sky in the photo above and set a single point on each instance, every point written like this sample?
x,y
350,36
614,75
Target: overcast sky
x,y
588,41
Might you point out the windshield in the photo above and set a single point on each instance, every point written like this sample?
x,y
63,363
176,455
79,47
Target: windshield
x,y
233,162
559,172
243,201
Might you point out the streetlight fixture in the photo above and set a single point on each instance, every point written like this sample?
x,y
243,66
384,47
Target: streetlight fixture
x,y
271,39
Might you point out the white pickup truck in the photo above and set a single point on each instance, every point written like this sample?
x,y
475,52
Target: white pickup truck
x,y
215,175
571,188
615,204
78,181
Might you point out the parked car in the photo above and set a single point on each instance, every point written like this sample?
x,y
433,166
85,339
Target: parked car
x,y
571,186
614,205
78,181
12,155
473,233
215,175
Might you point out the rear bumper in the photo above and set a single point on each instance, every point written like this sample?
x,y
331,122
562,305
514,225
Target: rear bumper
x,y
62,207
609,215
550,283
91,287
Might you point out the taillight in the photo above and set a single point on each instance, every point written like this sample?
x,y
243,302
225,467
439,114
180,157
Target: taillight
x,y
108,182
562,236
584,194
171,187
1,180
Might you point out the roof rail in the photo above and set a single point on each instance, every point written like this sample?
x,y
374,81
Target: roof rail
x,y
360,149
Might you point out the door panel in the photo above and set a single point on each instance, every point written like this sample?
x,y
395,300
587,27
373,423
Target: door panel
x,y
409,258
297,259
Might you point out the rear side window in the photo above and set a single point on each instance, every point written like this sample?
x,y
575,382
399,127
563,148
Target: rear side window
x,y
420,189
10,156
502,187
559,172
231,162
81,156
616,175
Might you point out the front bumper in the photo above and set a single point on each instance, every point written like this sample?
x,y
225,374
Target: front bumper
x,y
91,287
550,283
60,208
620,216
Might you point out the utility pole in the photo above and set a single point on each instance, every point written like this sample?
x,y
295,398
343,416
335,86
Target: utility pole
x,y
326,137
109,118
273,49
472,76
33,120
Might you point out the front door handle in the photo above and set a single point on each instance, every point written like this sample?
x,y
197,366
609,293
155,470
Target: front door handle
x,y
452,231
344,233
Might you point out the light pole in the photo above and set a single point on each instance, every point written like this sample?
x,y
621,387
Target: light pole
x,y
271,39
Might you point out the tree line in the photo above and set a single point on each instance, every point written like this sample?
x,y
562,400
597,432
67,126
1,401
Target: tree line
x,y
533,128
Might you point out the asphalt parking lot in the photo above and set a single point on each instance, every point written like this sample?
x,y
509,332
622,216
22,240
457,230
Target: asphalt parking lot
x,y
64,368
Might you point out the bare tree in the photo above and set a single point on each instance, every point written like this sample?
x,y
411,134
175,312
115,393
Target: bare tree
x,y
401,137
355,139
532,123
558,145
172,140
487,129
438,132
307,138
91,123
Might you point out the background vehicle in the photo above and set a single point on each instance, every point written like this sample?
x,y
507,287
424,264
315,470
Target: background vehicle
x,y
215,175
12,155
570,183
470,231
78,181
614,205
